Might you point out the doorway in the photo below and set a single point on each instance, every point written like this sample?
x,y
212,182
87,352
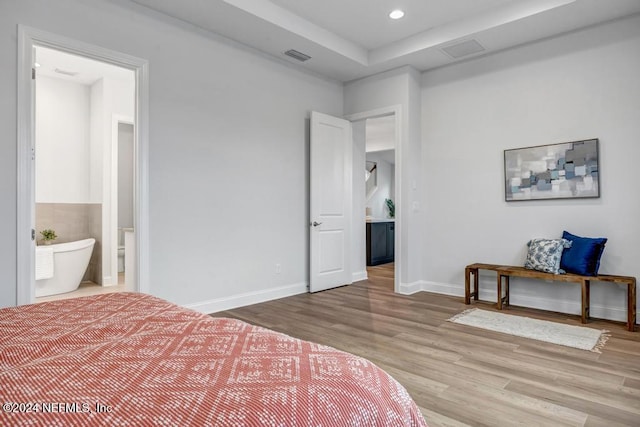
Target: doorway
x,y
380,194
380,131
83,176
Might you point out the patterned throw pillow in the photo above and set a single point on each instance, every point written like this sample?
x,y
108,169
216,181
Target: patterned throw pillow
x,y
545,254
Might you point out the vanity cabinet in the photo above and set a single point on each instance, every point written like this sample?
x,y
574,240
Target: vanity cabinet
x,y
380,242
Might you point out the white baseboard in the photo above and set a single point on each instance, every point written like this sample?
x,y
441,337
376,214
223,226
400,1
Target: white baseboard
x,y
443,288
359,276
570,307
248,298
410,288
557,305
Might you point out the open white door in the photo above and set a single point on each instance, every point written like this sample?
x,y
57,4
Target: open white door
x,y
330,199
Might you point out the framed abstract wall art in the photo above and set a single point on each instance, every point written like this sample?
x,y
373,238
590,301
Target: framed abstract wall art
x,y
568,170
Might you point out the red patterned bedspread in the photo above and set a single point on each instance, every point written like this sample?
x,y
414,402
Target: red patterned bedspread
x,y
132,359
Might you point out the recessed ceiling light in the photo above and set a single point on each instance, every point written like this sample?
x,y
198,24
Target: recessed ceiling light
x,y
396,14
36,64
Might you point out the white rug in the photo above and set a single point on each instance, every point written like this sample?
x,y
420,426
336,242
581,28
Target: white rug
x,y
541,330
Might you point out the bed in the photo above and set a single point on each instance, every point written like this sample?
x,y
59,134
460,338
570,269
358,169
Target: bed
x,y
134,359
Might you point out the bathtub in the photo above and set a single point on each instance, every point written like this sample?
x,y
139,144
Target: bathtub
x,y
70,262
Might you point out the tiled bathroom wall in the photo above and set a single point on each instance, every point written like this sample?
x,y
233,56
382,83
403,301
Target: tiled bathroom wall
x,y
71,222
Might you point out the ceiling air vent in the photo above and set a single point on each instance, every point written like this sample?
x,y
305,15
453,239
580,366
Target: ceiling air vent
x,y
464,48
66,72
297,55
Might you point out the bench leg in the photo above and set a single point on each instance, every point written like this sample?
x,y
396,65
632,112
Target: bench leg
x,y
467,286
506,290
586,300
468,272
631,306
503,301
476,285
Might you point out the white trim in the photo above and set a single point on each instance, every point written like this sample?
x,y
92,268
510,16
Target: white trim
x,y
28,38
396,111
372,114
25,248
570,307
410,288
442,288
116,119
359,276
548,304
248,298
141,179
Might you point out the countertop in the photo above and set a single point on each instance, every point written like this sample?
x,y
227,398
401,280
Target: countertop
x,y
380,220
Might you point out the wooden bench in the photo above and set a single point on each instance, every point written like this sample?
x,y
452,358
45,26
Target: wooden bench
x,y
504,272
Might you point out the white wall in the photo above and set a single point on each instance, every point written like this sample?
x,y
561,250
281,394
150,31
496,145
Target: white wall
x,y
62,141
582,85
381,133
97,128
386,186
119,101
399,87
228,161
110,98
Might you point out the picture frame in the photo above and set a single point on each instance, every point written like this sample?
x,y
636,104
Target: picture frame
x,y
567,170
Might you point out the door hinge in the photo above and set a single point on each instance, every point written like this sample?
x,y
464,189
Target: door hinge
x,y
33,73
33,234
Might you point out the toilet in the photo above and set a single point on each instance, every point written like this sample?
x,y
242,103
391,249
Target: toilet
x,y
120,250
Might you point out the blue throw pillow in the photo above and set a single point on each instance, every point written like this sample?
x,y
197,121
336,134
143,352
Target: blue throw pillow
x,y
583,257
544,254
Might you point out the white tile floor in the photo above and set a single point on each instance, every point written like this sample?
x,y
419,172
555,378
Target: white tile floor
x,y
88,288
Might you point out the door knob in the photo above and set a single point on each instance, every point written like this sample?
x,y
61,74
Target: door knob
x,y
315,224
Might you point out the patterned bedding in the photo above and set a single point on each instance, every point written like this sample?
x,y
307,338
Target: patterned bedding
x,y
132,359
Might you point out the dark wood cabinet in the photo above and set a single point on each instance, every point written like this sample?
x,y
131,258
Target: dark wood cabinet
x,y
380,241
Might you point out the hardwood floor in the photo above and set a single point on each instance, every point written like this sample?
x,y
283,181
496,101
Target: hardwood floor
x,y
460,375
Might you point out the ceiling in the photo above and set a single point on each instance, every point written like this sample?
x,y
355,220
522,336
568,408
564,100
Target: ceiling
x,y
350,39
380,135
76,69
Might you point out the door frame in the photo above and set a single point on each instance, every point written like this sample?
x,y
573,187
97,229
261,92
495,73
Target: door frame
x,y
28,38
117,119
396,111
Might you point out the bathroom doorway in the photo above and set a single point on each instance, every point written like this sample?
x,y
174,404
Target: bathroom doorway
x,y
82,142
84,169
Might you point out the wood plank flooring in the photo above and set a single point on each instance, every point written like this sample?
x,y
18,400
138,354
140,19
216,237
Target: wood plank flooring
x,y
460,375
